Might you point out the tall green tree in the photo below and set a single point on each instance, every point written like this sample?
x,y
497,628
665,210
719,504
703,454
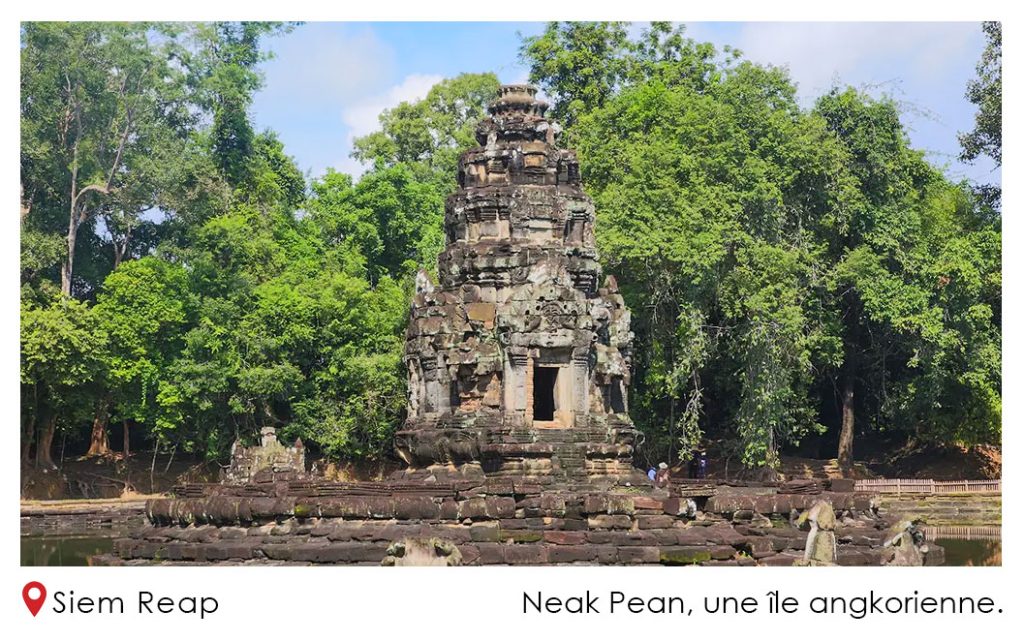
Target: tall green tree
x,y
62,351
224,71
986,92
144,308
584,64
100,104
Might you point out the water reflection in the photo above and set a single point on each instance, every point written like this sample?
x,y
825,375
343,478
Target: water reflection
x,y
977,552
48,550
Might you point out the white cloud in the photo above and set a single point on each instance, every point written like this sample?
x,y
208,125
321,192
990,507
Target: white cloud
x,y
347,62
819,54
361,117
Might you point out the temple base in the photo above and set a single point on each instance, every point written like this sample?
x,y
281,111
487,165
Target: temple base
x,y
596,449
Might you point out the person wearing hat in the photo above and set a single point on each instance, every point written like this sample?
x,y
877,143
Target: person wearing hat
x,y
661,478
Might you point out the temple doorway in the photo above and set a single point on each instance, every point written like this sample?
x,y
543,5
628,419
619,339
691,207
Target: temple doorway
x,y
545,380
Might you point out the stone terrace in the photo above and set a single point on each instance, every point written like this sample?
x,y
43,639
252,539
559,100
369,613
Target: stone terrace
x,y
501,522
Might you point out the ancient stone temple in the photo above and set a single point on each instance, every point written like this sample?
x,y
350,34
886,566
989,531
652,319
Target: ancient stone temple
x,y
518,440
518,358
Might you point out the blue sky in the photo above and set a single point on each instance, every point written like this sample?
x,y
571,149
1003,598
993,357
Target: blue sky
x,y
329,81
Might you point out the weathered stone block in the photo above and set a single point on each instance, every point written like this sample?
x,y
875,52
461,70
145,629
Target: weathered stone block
x,y
722,552
595,504
488,531
574,524
565,538
491,553
610,521
684,555
470,554
847,555
224,551
757,547
572,554
521,536
655,522
552,505
526,554
416,507
647,503
724,535
638,554
449,510
692,536
619,504
784,559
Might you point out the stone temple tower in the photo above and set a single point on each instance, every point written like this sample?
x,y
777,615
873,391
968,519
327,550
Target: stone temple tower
x,y
519,357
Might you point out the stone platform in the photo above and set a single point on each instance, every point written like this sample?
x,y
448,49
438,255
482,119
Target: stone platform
x,y
504,521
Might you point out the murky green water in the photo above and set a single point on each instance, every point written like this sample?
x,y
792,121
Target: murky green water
x,y
978,552
48,550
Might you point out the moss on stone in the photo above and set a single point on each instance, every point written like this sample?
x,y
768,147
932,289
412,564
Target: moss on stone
x,y
684,557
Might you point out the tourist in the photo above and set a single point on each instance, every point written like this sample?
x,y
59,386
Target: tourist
x,y
702,465
661,477
651,473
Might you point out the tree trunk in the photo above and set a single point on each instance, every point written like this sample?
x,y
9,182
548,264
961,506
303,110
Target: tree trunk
x,y
29,436
846,431
67,267
45,443
125,448
99,444
26,438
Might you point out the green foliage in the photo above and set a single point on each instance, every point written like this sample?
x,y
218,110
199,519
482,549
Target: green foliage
x,y
102,106
775,250
223,65
143,308
289,332
428,135
986,91
583,64
62,353
699,213
394,220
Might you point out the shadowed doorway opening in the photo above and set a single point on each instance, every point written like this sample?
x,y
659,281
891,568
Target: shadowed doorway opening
x,y
544,380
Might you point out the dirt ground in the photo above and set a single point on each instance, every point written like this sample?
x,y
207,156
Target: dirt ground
x,y
943,463
940,463
112,477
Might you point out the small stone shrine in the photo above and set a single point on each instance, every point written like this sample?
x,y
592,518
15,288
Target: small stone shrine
x,y
518,358
518,440
270,460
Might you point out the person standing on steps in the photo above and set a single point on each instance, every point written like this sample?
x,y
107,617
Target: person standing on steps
x,y
702,464
662,476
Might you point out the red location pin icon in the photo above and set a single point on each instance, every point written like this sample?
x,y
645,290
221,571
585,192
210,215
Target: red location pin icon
x,y
34,603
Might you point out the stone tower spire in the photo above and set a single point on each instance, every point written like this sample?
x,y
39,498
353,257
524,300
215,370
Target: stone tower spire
x,y
518,362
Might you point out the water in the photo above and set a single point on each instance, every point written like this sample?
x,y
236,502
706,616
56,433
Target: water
x,y
976,552
54,550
